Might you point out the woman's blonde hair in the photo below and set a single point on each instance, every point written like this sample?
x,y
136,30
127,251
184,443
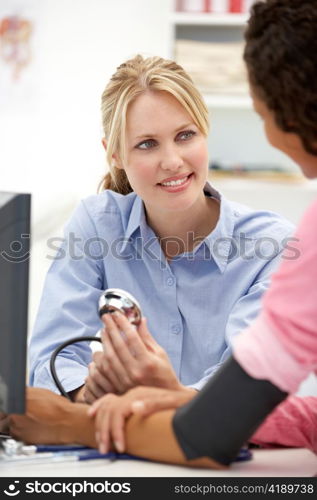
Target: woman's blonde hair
x,y
131,79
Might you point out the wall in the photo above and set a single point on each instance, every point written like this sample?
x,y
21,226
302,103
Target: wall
x,y
50,126
50,120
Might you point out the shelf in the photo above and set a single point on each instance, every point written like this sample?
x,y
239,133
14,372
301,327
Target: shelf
x,y
227,101
189,18
262,177
265,180
274,193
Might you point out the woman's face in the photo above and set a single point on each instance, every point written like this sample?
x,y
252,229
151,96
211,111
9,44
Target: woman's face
x,y
166,154
287,142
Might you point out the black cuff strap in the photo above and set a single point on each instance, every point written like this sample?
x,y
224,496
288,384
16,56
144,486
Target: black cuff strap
x,y
223,416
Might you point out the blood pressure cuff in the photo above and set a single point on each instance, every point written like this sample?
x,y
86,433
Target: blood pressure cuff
x,y
223,416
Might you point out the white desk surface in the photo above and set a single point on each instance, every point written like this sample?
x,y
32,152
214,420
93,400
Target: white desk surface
x,y
265,463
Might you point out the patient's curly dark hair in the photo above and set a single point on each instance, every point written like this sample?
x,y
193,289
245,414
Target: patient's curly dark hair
x,y
281,59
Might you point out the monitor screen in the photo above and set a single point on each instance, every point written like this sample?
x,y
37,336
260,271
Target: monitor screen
x,y
14,274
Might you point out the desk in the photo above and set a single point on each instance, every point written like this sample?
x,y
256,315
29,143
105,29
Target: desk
x,y
265,463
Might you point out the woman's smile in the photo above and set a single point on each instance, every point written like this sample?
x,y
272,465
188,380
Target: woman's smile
x,y
176,184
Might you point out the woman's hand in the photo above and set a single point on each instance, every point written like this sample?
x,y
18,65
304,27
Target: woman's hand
x,y
111,411
97,384
130,357
134,356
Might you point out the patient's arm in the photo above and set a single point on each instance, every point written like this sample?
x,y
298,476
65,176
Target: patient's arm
x,y
153,437
4,422
112,411
53,419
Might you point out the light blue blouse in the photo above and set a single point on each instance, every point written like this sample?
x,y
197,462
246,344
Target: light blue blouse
x,y
194,304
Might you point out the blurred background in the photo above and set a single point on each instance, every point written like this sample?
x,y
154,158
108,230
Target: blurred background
x,y
56,57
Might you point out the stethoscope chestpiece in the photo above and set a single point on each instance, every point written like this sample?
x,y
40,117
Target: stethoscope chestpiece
x,y
115,299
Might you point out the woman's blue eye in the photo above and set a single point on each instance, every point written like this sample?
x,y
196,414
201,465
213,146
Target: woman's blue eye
x,y
150,143
186,135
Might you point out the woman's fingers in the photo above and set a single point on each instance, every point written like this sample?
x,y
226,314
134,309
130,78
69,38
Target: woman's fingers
x,y
111,412
101,379
92,389
95,407
116,371
144,366
102,427
118,333
145,335
89,396
117,425
106,365
147,406
118,338
131,336
156,399
96,384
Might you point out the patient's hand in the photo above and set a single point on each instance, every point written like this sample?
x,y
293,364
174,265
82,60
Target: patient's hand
x,y
4,423
111,411
52,419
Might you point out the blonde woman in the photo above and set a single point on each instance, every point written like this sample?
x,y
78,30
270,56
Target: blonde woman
x,y
197,262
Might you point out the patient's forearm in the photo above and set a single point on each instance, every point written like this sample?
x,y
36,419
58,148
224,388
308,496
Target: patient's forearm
x,y
153,437
80,427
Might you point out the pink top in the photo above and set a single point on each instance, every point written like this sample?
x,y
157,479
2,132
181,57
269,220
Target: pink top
x,y
292,423
281,345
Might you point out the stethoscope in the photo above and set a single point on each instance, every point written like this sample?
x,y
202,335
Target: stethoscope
x,y
111,300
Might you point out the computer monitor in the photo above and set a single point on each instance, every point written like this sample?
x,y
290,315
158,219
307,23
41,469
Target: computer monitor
x,y
14,277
